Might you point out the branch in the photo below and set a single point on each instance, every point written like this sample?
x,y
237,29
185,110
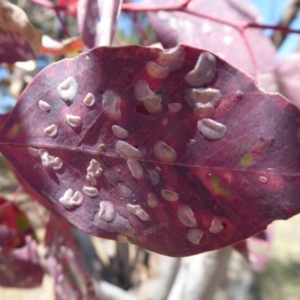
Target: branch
x,y
137,7
108,291
288,16
165,270
200,276
49,4
277,28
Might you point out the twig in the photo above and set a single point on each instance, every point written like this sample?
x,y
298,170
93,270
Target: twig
x,y
143,37
278,28
48,4
63,25
165,270
200,275
137,7
107,291
57,9
288,17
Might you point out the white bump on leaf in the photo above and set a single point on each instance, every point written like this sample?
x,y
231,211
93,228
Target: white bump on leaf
x,y
164,152
174,107
67,90
216,225
153,176
211,129
49,160
106,212
186,216
201,95
126,150
227,39
142,90
44,106
90,191
151,101
33,151
111,102
203,110
73,121
93,170
56,163
138,211
156,71
194,235
172,58
51,130
70,199
119,132
204,70
89,100
123,188
169,195
206,28
135,168
263,179
152,200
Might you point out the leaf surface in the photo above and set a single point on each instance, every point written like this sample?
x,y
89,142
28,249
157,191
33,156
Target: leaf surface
x,y
249,50
14,225
63,262
97,21
20,41
141,163
20,267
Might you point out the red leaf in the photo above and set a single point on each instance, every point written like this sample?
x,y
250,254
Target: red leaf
x,y
63,262
20,41
172,181
14,225
20,267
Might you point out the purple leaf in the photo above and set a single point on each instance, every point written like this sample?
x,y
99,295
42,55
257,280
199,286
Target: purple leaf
x,y
137,144
210,30
6,236
14,225
97,21
19,40
63,262
20,267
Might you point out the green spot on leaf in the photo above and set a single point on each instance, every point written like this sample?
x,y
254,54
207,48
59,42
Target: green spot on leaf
x,y
246,160
22,223
219,189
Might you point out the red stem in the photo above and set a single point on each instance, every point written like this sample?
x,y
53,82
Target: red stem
x,y
63,25
273,27
57,9
140,7
140,31
238,26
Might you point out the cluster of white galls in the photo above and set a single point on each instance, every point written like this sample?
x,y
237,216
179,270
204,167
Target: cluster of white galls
x,y
203,101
